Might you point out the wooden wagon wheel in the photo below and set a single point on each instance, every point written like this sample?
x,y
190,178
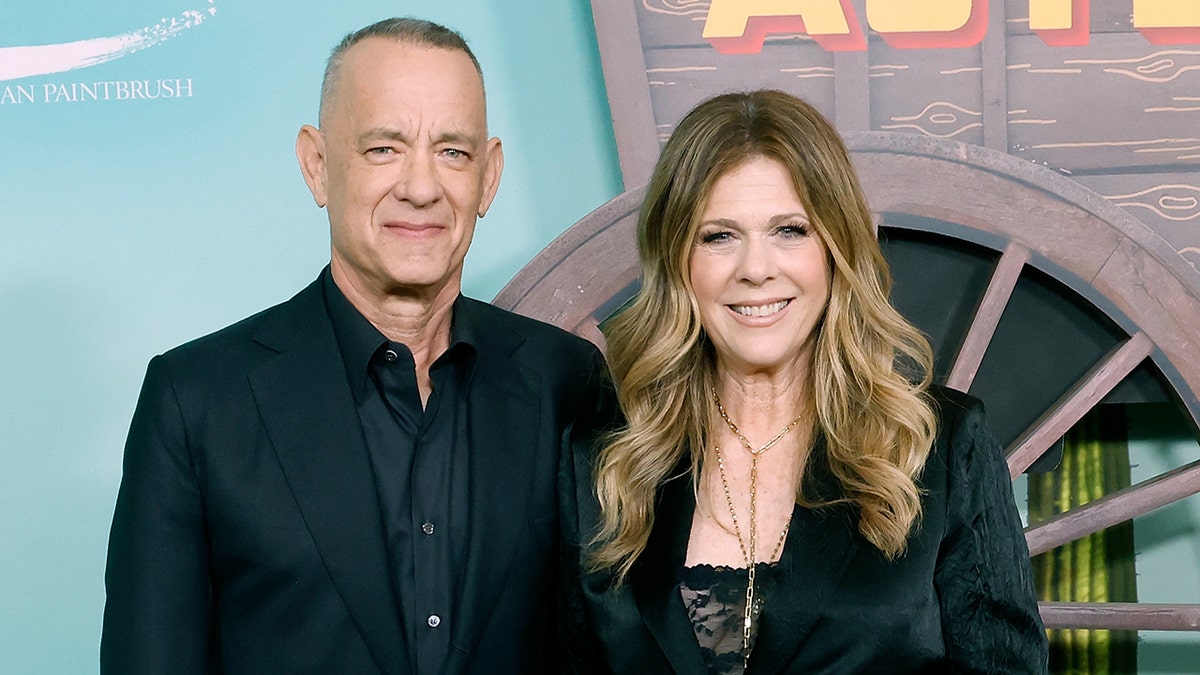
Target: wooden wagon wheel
x,y
1032,224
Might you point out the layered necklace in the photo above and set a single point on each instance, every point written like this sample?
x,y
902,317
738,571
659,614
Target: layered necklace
x,y
748,553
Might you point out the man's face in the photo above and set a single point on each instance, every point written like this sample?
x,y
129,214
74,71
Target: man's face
x,y
404,166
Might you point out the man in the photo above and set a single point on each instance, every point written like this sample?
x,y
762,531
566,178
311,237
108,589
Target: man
x,y
362,479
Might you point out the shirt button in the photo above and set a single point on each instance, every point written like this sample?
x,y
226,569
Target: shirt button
x,y
427,528
390,356
434,621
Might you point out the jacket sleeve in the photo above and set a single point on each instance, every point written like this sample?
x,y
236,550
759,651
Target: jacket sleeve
x,y
990,619
157,614
579,648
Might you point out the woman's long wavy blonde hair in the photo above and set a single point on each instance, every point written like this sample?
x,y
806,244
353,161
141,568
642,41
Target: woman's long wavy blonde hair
x,y
872,365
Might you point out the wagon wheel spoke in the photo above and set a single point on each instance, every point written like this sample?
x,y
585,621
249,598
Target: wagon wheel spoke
x,y
987,317
1069,409
1114,508
1120,615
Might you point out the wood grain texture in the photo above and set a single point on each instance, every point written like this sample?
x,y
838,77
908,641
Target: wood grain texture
x,y
1169,203
987,202
1114,508
670,23
580,271
680,78
852,86
1118,104
987,317
934,93
1075,403
1077,236
628,92
995,80
1155,295
1105,17
851,91
1120,616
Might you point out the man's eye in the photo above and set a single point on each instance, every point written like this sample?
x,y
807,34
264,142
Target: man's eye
x,y
454,153
380,151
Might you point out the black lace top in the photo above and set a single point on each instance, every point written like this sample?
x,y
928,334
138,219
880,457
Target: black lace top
x,y
715,598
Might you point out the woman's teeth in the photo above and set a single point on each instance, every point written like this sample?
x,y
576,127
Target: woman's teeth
x,y
760,310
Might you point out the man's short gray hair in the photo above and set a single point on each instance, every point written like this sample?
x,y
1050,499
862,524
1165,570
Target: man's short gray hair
x,y
407,30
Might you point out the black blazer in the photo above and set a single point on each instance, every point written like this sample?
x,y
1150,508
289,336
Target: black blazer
x,y
960,600
247,536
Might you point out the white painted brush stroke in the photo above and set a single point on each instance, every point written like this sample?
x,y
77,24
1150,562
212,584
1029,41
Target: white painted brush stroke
x,y
19,62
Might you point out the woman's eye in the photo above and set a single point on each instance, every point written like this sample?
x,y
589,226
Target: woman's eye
x,y
715,237
794,230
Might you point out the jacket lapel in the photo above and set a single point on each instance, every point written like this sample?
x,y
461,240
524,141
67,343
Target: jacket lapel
x,y
821,543
504,418
654,579
308,411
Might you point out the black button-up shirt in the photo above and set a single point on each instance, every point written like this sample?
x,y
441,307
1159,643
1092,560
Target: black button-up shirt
x,y
419,457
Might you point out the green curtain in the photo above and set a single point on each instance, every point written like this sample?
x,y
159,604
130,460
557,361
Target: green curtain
x,y
1096,568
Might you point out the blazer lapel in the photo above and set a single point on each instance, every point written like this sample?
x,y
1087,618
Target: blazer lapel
x,y
821,543
504,418
654,578
308,410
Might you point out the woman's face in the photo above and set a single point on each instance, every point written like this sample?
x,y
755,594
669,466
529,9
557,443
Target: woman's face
x,y
759,270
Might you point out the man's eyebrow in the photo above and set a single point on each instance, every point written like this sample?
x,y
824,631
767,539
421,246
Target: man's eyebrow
x,y
388,134
455,138
383,133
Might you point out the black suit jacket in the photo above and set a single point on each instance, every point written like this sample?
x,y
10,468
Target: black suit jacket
x,y
960,600
247,535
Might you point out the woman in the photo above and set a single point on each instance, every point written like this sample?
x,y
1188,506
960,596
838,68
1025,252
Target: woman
x,y
787,492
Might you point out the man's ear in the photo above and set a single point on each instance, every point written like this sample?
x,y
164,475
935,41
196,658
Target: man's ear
x,y
310,151
493,167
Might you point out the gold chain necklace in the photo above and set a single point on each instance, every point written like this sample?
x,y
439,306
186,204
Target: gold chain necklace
x,y
748,554
737,432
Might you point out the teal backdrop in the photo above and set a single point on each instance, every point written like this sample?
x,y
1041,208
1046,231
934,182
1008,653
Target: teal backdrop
x,y
133,224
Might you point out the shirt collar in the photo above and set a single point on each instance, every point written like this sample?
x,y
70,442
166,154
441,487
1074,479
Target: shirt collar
x,y
358,339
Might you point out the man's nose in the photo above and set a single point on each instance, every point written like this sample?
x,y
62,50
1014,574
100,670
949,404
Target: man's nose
x,y
419,183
